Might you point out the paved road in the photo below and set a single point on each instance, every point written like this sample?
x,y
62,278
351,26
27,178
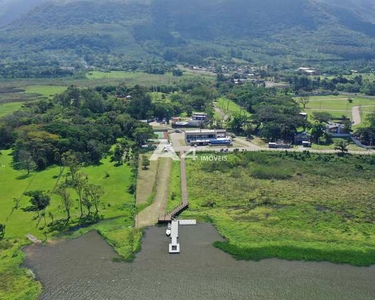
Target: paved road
x,y
150,215
356,115
248,146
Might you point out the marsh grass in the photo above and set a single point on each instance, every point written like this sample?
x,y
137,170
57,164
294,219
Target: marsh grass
x,y
295,206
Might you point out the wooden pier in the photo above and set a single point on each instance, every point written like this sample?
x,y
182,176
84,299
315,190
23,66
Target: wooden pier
x,y
168,217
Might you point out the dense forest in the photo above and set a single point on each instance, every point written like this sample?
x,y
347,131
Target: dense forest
x,y
112,33
88,122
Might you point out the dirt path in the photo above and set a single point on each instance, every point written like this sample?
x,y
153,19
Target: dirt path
x,y
356,115
149,216
221,112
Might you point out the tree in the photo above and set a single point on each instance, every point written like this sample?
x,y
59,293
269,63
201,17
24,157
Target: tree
x,y
2,231
92,194
25,161
78,183
143,134
347,126
70,160
118,154
317,131
237,123
145,162
67,202
342,146
304,99
321,116
39,200
177,72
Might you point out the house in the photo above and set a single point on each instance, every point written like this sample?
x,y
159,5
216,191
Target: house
x,y
337,130
207,137
301,137
199,116
334,128
197,120
308,71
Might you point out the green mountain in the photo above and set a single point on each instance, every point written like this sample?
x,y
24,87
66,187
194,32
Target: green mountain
x,y
92,31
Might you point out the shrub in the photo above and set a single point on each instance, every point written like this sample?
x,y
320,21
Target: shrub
x,y
270,173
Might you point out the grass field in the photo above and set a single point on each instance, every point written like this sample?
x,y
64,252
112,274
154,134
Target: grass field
x,y
8,108
141,78
331,146
117,211
290,206
10,102
45,90
339,105
146,184
230,107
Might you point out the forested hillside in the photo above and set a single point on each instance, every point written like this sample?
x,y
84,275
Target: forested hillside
x,y
194,31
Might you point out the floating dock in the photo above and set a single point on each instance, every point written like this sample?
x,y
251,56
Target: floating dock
x,y
172,232
174,245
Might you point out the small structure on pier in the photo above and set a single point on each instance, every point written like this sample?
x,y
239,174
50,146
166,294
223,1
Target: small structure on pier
x,y
174,245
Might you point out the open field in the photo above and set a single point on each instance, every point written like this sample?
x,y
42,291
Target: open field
x,y
12,100
331,146
339,106
229,107
8,108
143,78
146,183
339,102
117,210
293,206
45,90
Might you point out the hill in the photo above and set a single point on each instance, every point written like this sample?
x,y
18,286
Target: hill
x,y
194,31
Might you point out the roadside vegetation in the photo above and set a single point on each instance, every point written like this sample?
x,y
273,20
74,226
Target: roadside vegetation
x,y
174,196
295,206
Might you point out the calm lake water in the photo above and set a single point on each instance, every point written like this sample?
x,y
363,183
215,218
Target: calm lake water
x,y
82,269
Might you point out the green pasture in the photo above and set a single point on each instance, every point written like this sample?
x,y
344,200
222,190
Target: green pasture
x,y
229,107
117,210
8,108
339,106
296,206
45,90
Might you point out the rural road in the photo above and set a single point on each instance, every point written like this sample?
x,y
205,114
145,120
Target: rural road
x,y
356,115
248,146
150,215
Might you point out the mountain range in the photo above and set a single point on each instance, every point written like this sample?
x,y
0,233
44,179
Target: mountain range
x,y
191,31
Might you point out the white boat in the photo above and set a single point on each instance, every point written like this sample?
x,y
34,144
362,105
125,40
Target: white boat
x,y
168,231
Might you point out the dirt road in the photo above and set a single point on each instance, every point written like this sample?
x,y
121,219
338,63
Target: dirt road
x,y
356,115
149,216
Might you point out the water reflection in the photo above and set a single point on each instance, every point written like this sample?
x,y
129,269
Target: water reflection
x,y
83,269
